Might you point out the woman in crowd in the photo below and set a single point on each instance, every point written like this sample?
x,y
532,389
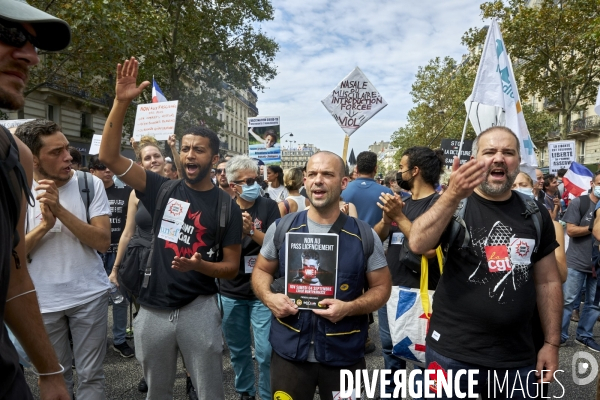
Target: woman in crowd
x,y
276,190
293,180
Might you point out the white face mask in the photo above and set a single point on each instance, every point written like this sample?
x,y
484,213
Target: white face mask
x,y
597,191
526,191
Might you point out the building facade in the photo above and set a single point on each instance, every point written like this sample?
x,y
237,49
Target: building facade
x,y
298,156
234,113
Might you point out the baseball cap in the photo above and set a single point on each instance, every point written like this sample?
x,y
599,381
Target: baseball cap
x,y
52,34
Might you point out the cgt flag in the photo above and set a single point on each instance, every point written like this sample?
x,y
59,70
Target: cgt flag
x,y
495,87
577,179
157,94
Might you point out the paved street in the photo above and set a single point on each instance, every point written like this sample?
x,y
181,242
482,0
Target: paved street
x,y
123,375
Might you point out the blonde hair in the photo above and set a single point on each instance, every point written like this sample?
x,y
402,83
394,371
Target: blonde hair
x,y
293,179
146,141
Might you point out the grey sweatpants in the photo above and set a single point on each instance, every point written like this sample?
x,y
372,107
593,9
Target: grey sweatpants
x,y
195,330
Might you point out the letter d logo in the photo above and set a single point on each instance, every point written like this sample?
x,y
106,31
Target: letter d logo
x,y
580,367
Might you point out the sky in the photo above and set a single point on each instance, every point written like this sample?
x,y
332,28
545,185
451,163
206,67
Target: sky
x,y
322,41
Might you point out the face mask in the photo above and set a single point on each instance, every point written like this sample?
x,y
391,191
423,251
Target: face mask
x,y
597,191
250,193
402,183
526,191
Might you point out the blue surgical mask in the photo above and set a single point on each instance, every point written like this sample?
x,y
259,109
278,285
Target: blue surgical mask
x,y
525,191
597,191
250,193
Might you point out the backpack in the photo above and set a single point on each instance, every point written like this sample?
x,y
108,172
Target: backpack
x,y
136,267
13,177
284,224
458,222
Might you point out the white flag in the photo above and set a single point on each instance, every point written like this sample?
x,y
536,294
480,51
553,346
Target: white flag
x,y
495,86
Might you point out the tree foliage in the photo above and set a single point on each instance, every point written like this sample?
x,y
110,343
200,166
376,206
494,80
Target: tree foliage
x,y
191,48
439,92
555,48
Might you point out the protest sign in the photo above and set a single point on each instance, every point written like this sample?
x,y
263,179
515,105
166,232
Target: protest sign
x,y
451,146
156,120
12,124
311,268
354,101
560,155
95,146
263,139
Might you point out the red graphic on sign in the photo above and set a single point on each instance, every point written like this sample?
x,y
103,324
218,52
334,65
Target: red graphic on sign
x,y
310,289
175,209
497,258
186,251
522,248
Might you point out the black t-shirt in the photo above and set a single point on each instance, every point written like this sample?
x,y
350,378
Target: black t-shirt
x,y
263,212
171,289
402,275
485,301
118,199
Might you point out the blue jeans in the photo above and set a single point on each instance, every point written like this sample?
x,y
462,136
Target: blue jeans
x,y
237,317
390,361
485,381
119,310
576,280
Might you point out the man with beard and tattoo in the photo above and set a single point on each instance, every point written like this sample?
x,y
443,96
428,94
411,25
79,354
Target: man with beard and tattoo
x,y
63,243
178,307
491,283
23,29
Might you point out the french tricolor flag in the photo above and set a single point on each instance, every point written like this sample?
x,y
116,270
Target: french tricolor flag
x,y
157,94
577,179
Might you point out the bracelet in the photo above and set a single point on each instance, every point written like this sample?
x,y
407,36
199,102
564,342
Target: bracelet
x,y
19,295
130,165
115,267
552,344
62,369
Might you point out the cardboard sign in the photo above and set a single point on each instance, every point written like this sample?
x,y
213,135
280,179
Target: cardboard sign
x,y
451,146
156,120
354,101
560,155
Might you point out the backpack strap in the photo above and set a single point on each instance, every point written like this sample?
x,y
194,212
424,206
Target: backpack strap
x,y
456,224
224,207
287,206
163,196
282,226
368,242
532,209
86,190
584,205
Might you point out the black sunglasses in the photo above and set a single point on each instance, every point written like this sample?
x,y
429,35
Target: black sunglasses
x,y
15,35
247,181
219,170
99,167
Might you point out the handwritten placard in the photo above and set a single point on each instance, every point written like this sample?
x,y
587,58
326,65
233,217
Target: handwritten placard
x,y
155,119
95,146
354,101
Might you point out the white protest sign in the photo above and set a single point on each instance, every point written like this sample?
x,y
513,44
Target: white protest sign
x,y
354,101
560,155
155,119
95,146
12,124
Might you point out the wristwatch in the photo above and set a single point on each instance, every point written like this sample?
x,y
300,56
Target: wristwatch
x,y
251,232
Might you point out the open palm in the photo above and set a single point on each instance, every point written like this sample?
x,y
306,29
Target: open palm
x,y
126,88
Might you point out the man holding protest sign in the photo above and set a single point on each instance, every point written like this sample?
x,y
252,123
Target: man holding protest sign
x,y
307,352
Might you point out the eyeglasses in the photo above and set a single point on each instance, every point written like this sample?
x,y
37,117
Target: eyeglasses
x,y
13,34
247,181
219,170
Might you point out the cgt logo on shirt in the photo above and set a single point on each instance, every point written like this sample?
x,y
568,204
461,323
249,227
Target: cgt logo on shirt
x,y
497,258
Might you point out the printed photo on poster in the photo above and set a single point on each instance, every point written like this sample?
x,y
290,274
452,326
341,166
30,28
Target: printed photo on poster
x,y
311,268
263,139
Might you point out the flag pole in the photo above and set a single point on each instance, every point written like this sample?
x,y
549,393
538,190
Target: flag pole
x,y
345,151
462,138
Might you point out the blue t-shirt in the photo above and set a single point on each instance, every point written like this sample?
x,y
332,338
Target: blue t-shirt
x,y
364,194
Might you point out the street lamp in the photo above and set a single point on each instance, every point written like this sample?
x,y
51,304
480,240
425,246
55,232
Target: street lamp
x,y
285,134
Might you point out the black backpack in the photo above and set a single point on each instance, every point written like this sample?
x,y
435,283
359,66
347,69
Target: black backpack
x,y
13,180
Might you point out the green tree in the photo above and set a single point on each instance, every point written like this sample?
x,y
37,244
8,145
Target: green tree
x,y
439,92
555,49
539,124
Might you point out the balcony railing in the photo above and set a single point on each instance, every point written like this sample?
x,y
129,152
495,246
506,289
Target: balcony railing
x,y
585,124
72,89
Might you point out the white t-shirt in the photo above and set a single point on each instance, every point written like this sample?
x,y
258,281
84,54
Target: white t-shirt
x,y
67,273
278,194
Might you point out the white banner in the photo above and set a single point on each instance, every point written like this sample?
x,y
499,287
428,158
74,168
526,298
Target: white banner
x,y
495,85
155,119
560,155
354,101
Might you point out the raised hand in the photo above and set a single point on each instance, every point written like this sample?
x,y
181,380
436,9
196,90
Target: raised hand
x,y
391,205
465,178
126,88
172,140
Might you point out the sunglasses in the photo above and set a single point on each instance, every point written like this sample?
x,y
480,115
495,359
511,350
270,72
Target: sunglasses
x,y
219,171
15,35
247,181
99,167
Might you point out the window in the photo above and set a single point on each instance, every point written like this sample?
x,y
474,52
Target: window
x,y
50,112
